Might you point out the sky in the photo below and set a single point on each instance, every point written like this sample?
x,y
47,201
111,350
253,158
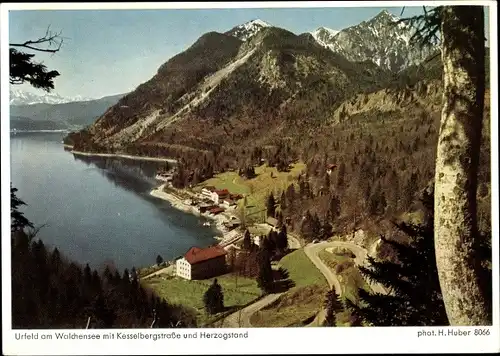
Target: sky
x,y
108,52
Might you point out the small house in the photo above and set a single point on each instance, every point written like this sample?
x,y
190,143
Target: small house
x,y
219,195
206,207
207,191
228,203
216,210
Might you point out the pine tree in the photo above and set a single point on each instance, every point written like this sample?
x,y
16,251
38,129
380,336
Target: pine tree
x,y
326,231
159,260
334,208
291,195
279,218
272,238
266,244
87,275
265,276
271,205
282,239
414,292
306,228
214,298
333,305
17,218
341,175
283,204
316,226
247,240
126,276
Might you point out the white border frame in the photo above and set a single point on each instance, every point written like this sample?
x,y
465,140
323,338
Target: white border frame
x,y
259,341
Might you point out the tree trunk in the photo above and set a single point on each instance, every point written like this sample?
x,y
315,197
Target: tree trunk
x,y
455,226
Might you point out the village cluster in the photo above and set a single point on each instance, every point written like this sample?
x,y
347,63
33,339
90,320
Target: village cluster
x,y
219,205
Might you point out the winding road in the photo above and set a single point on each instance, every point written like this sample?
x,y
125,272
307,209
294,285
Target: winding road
x,y
312,251
242,317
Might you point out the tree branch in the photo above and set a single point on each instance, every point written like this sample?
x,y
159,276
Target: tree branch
x,y
49,38
37,49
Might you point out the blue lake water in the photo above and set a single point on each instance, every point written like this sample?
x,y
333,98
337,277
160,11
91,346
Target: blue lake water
x,y
98,210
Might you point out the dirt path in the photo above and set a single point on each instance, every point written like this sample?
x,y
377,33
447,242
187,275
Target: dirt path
x,y
241,318
165,270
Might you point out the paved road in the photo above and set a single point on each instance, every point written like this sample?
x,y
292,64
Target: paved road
x,y
312,251
242,317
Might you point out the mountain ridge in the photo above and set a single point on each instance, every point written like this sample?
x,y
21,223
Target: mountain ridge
x,y
382,39
22,97
69,115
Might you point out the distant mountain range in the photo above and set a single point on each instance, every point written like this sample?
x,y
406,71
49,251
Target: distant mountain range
x,y
71,115
21,97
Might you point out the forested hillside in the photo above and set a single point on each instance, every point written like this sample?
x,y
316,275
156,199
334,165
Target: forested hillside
x,y
49,291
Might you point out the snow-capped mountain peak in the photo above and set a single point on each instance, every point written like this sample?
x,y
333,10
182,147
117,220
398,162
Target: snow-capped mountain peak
x,y
323,35
385,15
381,40
21,97
257,22
247,30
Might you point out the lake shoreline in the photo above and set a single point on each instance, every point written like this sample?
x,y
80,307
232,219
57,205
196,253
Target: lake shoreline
x,y
176,202
111,218
15,131
119,155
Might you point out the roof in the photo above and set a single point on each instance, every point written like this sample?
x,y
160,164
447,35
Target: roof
x,y
222,192
216,210
197,255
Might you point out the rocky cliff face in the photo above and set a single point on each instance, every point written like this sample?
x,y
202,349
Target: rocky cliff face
x,y
381,39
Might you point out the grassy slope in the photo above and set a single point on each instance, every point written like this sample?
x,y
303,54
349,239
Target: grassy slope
x,y
299,303
302,271
349,276
237,291
256,189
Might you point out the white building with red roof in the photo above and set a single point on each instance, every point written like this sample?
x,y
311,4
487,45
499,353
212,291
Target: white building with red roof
x,y
200,263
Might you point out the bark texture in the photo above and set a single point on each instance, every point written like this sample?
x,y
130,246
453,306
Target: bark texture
x,y
455,229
